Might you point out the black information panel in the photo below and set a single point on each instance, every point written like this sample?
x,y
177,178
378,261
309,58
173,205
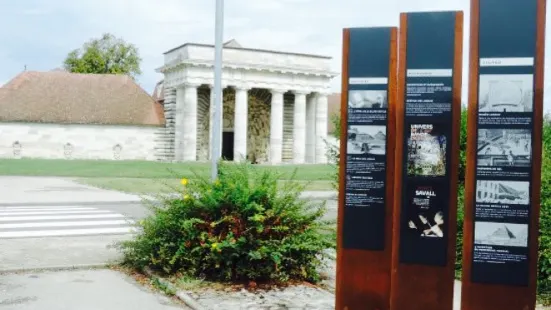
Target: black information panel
x,y
427,138
507,47
365,185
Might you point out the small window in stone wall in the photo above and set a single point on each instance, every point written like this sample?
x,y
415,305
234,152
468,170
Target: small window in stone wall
x,y
68,150
117,150
17,149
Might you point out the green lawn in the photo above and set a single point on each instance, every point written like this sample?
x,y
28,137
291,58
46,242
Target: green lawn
x,y
139,169
147,176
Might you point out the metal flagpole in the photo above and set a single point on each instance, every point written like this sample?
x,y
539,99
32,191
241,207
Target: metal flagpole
x,y
216,128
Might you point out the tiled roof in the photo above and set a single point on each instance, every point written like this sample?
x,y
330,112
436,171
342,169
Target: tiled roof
x,y
69,98
159,92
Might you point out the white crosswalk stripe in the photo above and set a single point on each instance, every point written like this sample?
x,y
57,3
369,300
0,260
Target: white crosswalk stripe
x,y
58,221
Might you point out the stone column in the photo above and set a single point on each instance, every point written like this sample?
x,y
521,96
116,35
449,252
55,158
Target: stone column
x,y
190,123
276,126
311,129
179,127
321,129
299,128
240,124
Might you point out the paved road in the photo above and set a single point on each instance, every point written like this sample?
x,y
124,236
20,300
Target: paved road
x,y
63,235
53,223
61,220
332,209
66,235
82,290
41,190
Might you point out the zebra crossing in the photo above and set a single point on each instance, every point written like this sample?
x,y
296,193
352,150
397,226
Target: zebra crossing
x,y
59,221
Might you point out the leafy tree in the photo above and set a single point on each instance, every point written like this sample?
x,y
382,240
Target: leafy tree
x,y
106,55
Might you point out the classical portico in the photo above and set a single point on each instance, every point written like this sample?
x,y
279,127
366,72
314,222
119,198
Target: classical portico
x,y
274,104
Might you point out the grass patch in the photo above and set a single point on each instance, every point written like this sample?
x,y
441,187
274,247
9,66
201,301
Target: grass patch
x,y
160,185
188,283
162,287
141,169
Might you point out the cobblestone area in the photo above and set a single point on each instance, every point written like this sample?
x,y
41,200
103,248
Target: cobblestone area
x,y
295,297
292,298
329,273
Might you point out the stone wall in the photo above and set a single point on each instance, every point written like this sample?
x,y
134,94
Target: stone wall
x,y
165,137
203,124
55,141
258,129
258,132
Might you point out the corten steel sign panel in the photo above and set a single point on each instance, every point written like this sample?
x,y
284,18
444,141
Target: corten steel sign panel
x,y
504,154
428,122
366,168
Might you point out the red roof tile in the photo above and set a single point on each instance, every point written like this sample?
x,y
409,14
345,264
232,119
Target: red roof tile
x,y
69,98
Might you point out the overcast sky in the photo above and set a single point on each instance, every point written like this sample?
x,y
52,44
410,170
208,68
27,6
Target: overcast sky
x,y
39,33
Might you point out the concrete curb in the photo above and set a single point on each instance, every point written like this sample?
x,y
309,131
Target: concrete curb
x,y
183,296
55,268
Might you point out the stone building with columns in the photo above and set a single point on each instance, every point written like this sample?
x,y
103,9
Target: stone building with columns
x,y
275,110
275,105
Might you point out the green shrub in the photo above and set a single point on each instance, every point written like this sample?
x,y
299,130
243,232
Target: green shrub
x,y
544,259
463,145
239,228
333,150
459,239
461,191
544,264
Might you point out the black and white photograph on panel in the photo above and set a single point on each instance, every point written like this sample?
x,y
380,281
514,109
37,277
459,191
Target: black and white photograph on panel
x,y
367,99
506,93
425,212
426,150
366,139
504,147
503,192
504,234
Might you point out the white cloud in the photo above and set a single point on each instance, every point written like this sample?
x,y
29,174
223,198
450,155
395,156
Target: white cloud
x,y
36,12
42,32
155,26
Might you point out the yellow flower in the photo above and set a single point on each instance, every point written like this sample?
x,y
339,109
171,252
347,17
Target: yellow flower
x,y
184,181
214,245
186,197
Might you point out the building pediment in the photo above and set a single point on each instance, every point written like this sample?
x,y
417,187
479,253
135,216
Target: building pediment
x,y
237,57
